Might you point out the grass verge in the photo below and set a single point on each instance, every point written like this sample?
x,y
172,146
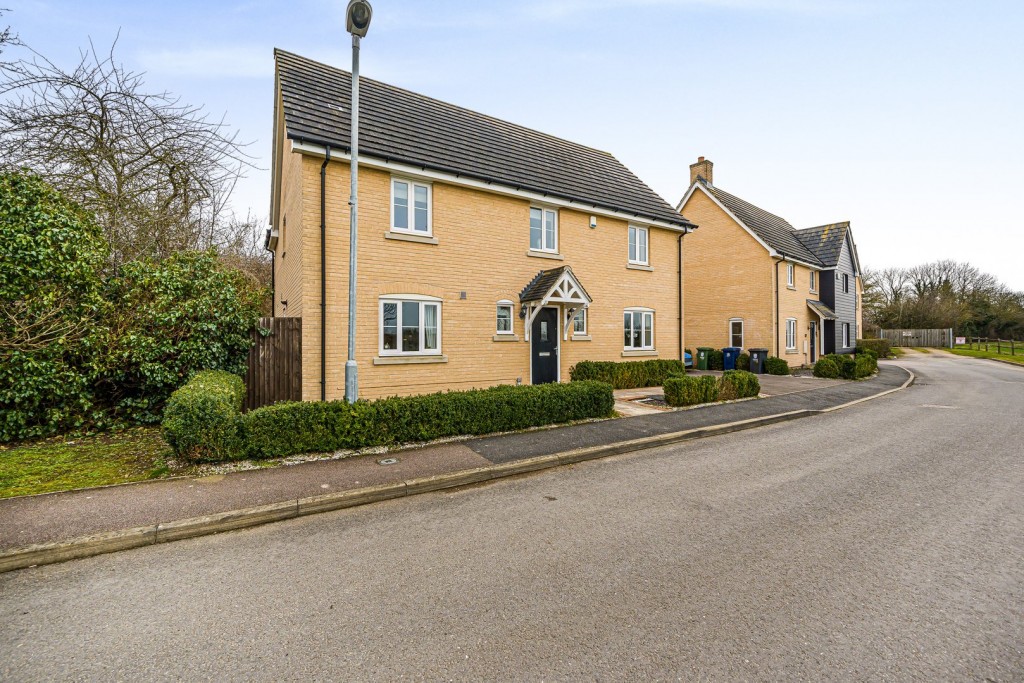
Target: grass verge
x,y
975,353
64,463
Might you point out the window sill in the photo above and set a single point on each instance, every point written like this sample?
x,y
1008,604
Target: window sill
x,y
791,287
545,254
639,352
581,337
505,338
409,237
792,352
408,360
639,266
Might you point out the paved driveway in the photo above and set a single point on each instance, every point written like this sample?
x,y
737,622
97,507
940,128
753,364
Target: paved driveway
x,y
881,542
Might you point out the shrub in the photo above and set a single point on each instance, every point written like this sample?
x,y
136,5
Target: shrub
x,y
738,384
827,368
881,347
289,428
628,374
743,362
865,365
716,360
201,418
847,364
688,391
776,366
52,256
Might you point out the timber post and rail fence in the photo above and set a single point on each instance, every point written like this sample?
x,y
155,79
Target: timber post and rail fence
x,y
1007,346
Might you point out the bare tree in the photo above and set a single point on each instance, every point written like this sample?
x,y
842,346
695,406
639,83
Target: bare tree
x,y
156,173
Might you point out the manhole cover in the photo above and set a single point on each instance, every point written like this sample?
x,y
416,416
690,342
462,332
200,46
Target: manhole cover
x,y
388,461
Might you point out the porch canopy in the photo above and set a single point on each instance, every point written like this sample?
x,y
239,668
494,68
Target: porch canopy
x,y
557,286
821,310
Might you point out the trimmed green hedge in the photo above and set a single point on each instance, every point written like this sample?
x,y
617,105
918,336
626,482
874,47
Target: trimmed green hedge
x,y
854,367
826,368
688,390
881,347
716,360
738,384
776,366
216,431
200,420
628,374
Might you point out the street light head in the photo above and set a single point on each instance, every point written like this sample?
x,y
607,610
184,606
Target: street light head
x,y
357,17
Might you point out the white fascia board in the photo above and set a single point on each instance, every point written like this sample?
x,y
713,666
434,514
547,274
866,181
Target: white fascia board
x,y
417,172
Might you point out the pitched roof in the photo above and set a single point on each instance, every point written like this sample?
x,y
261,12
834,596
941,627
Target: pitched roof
x,y
544,281
401,126
821,309
825,241
773,230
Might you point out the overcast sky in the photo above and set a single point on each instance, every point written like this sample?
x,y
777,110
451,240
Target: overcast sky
x,y
906,118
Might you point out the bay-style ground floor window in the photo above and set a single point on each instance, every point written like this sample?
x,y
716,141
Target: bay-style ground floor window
x,y
638,326
410,325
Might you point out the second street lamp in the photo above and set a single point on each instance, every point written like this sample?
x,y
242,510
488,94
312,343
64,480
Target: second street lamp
x,y
357,22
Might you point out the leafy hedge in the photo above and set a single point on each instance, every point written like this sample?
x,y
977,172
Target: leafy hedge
x,y
776,366
690,390
716,360
627,374
743,362
881,347
853,367
738,384
201,418
826,368
300,427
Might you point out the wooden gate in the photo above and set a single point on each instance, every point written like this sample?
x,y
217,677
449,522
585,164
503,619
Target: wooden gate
x,y
275,363
938,338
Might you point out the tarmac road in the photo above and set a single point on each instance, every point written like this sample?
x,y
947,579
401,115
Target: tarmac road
x,y
883,542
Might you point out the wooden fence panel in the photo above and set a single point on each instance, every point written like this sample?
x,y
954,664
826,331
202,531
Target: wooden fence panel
x,y
275,363
934,338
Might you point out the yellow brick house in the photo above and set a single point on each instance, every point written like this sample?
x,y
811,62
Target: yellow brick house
x,y
752,280
488,253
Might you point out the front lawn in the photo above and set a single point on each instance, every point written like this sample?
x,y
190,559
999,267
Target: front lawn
x,y
975,353
64,463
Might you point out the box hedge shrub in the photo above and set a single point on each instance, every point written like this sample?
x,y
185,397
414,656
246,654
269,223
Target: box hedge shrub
x,y
743,362
881,347
689,390
865,365
201,418
826,368
627,374
736,384
846,363
776,366
716,360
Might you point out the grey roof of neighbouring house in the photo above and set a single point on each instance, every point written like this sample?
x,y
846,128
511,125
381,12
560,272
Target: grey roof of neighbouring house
x,y
542,283
401,126
821,309
773,230
825,241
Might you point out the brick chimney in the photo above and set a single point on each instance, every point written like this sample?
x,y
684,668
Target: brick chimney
x,y
703,169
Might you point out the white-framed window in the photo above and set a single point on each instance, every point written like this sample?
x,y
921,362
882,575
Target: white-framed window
x,y
543,229
638,245
814,281
503,323
790,274
579,322
410,207
790,334
638,326
846,335
410,325
846,283
736,333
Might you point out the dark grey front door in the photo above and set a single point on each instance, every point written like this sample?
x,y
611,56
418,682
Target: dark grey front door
x,y
544,345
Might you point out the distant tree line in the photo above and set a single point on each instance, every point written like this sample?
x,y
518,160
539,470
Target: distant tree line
x,y
943,294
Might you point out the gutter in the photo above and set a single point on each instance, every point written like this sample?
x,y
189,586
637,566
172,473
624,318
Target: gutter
x,y
323,275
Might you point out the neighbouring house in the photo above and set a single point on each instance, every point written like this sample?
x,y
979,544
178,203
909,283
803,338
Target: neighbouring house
x,y
488,253
751,280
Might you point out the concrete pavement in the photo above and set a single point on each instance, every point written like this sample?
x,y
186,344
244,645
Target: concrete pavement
x,y
881,542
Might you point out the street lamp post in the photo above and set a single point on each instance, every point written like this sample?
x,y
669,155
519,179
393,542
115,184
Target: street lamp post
x,y
357,22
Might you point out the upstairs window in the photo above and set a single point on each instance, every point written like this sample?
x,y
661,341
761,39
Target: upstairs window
x,y
790,271
814,281
846,283
410,207
638,326
638,245
543,229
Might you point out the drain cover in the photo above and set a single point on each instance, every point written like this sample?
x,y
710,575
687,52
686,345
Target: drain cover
x,y
388,461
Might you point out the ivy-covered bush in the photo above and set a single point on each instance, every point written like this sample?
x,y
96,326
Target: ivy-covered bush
x,y
171,319
743,362
881,347
826,367
627,374
776,366
691,390
201,418
52,256
716,360
736,384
